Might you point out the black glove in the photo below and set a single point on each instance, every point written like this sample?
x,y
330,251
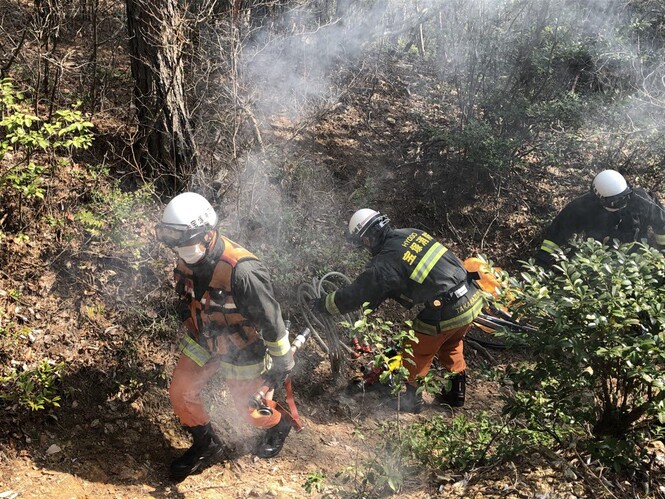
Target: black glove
x,y
280,369
318,305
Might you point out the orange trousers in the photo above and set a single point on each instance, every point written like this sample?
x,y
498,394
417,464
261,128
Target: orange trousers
x,y
448,345
189,380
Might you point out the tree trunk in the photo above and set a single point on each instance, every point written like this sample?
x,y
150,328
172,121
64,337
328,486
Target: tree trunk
x,y
158,39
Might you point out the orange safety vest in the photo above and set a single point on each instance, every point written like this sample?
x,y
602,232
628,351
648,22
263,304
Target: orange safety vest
x,y
216,323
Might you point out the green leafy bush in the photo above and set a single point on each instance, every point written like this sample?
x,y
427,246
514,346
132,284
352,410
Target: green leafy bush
x,y
33,388
29,145
598,348
111,213
465,442
387,341
378,472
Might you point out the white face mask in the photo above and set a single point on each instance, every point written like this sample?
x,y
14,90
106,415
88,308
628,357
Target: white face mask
x,y
191,254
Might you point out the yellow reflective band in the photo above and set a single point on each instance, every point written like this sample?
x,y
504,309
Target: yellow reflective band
x,y
194,351
461,320
330,304
427,262
660,239
279,347
249,371
549,246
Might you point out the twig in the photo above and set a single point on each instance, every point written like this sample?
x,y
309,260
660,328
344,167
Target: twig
x,y
548,454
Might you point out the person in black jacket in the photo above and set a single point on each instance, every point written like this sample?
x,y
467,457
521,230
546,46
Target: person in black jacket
x,y
411,267
610,210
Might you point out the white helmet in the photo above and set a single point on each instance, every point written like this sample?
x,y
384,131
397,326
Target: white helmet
x,y
362,221
186,217
611,189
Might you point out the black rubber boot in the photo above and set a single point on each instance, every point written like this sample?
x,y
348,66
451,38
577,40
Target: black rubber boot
x,y
410,401
455,396
205,448
273,439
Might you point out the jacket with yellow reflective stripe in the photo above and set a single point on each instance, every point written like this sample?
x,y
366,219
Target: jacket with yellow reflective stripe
x,y
411,267
226,300
586,217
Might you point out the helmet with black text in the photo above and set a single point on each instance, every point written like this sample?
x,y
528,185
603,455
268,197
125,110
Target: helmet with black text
x,y
186,219
366,223
611,189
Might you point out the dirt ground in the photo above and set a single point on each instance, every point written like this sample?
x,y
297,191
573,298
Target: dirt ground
x,y
113,450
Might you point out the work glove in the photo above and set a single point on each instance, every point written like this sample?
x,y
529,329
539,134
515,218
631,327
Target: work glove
x,y
318,305
280,369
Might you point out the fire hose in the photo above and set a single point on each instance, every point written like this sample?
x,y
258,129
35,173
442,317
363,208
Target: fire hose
x,y
325,329
258,401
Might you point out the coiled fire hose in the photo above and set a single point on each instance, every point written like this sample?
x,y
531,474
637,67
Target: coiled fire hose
x,y
326,329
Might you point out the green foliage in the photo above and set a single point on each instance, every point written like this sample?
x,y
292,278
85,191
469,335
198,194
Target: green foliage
x,y
112,213
479,143
598,350
35,389
23,135
24,131
314,482
91,222
466,442
381,471
387,341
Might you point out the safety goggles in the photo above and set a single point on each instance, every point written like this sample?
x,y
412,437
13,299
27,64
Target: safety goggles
x,y
617,202
178,235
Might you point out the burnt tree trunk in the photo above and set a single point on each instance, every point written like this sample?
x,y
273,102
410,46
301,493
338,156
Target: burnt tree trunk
x,y
158,41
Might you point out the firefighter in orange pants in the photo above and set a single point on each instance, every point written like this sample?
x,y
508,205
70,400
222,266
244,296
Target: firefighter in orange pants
x,y
411,267
234,326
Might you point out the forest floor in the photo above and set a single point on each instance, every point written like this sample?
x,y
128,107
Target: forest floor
x,y
114,434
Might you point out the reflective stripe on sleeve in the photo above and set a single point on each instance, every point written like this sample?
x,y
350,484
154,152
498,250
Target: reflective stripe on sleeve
x,y
549,246
279,347
427,262
189,347
330,304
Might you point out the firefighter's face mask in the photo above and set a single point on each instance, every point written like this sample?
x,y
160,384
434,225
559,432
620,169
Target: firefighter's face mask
x,y
191,254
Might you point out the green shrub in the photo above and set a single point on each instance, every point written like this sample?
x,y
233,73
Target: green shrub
x,y
33,388
465,442
24,135
379,471
387,341
111,215
598,348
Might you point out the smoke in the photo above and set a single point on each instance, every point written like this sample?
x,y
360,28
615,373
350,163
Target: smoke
x,y
548,73
291,63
